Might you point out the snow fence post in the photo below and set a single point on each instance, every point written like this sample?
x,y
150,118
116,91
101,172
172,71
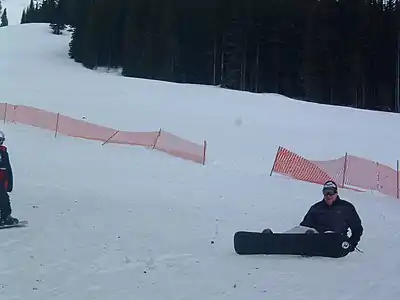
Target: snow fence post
x,y
397,177
106,141
276,157
344,169
155,142
204,152
5,113
57,121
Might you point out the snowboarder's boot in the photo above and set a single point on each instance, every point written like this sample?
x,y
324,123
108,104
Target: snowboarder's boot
x,y
9,220
267,230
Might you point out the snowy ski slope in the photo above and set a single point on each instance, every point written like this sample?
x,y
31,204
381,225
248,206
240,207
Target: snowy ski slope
x,y
123,222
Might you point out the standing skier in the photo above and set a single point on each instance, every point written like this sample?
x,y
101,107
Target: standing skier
x,y
6,185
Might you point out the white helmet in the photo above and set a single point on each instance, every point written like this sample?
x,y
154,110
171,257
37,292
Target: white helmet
x,y
2,137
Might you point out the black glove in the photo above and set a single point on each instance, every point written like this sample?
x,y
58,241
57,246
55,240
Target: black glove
x,y
352,246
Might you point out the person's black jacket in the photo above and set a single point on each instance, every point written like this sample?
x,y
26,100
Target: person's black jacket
x,y
6,173
338,217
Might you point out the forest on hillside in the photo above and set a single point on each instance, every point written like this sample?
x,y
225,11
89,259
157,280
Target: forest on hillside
x,y
341,52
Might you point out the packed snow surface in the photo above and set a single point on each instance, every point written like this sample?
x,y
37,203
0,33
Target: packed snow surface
x,y
124,222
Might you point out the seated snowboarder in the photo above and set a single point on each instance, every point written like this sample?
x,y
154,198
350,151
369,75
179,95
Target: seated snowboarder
x,y
333,214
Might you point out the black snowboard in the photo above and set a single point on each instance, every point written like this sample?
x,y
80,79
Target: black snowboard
x,y
20,224
318,244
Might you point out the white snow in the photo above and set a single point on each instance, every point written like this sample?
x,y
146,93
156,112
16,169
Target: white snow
x,y
123,222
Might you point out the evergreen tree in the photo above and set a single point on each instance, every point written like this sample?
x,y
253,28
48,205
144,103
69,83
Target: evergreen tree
x,y
58,17
4,19
23,17
31,14
76,45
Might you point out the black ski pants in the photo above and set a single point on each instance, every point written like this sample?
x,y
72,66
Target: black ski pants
x,y
5,206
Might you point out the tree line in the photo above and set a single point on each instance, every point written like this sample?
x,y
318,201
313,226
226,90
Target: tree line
x,y
340,52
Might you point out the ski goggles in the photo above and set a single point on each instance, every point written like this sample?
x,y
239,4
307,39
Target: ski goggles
x,y
329,191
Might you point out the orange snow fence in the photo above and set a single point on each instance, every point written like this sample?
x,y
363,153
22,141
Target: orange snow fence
x,y
349,172
60,124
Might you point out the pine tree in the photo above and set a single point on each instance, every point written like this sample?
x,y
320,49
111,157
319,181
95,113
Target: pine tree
x,y
4,19
23,17
31,13
58,17
79,23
